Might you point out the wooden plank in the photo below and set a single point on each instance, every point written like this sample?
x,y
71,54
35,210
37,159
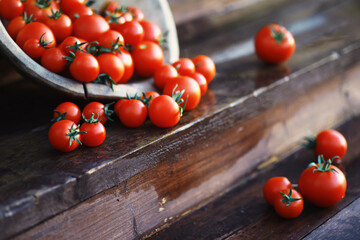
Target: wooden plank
x,y
243,213
344,225
249,104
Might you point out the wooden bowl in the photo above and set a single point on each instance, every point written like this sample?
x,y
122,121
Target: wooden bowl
x,y
157,11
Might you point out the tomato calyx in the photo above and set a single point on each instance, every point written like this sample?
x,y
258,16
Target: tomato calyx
x,y
309,142
107,111
115,47
176,95
322,165
163,41
28,19
43,3
287,198
43,43
114,17
92,118
55,15
76,47
106,79
277,35
90,3
73,133
61,116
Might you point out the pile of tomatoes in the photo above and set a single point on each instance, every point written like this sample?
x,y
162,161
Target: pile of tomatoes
x,y
321,184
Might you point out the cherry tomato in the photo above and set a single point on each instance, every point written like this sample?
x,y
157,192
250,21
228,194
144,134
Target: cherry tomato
x,y
10,9
35,48
68,5
68,43
148,57
192,94
78,10
99,110
40,9
53,60
164,111
64,135
152,31
111,65
128,62
84,67
17,23
132,113
118,104
94,132
322,184
184,66
201,80
151,95
90,27
274,186
164,74
289,204
274,44
109,6
136,13
67,110
60,24
35,30
132,32
206,66
111,39
330,143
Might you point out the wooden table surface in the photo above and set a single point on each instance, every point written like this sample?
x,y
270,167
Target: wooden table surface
x,y
143,180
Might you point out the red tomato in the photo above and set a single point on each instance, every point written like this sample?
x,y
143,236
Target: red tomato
x,y
132,32
60,24
84,67
330,143
98,108
118,104
90,27
192,90
17,23
274,44
147,57
111,65
33,48
322,184
10,9
150,95
94,132
128,62
68,5
274,186
132,113
78,10
184,66
109,6
69,42
53,60
152,31
67,110
201,80
164,74
35,30
40,9
206,66
111,39
136,13
289,204
164,111
64,135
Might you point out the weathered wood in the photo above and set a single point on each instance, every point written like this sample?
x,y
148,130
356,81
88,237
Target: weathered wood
x,y
157,11
243,213
158,174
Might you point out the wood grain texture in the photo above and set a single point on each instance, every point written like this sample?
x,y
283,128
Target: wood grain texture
x,y
243,213
148,176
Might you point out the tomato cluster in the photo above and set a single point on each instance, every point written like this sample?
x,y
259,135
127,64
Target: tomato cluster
x,y
321,184
69,36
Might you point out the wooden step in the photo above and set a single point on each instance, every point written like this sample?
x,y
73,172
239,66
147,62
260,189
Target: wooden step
x,y
243,213
141,179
